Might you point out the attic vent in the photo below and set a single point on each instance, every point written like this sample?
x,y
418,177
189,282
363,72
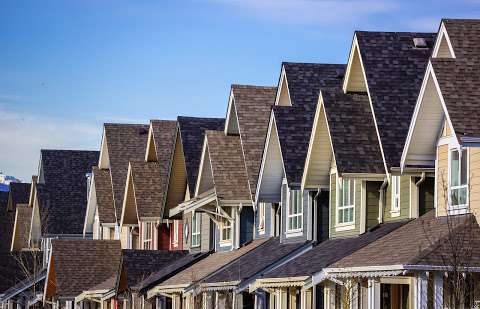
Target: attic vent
x,y
420,43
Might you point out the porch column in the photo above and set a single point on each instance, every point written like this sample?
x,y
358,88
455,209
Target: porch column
x,y
354,295
176,301
306,298
282,298
373,294
421,289
438,291
329,293
260,300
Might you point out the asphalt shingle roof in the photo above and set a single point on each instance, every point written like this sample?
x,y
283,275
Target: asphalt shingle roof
x,y
125,143
19,194
63,195
394,69
192,130
253,106
80,264
228,166
464,36
330,251
353,133
104,195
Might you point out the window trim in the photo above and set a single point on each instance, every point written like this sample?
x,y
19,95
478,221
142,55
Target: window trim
x,y
339,189
462,208
223,227
395,211
299,214
196,234
261,218
175,237
147,226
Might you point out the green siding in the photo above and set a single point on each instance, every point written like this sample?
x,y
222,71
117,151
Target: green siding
x,y
426,195
404,201
373,201
333,208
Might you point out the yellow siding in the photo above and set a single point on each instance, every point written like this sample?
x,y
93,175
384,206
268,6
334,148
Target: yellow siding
x,y
442,179
474,181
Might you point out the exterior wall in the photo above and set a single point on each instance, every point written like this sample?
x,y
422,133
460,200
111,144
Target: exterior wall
x,y
179,245
303,235
474,181
334,230
246,225
267,232
163,237
405,191
205,231
441,175
187,227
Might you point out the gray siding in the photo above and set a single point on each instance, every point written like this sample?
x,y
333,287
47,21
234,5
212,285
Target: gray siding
x,y
205,233
285,237
268,222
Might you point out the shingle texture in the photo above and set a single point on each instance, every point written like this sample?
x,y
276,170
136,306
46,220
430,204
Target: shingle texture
x,y
254,262
170,270
394,69
19,193
330,251
104,195
148,190
294,124
63,194
253,106
352,130
82,264
464,36
137,265
423,241
208,265
192,132
228,166
10,272
125,143
23,223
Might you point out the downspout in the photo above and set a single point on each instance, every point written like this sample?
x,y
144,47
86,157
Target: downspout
x,y
381,204
421,180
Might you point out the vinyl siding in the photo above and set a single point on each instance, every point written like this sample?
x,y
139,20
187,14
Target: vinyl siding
x,y
268,222
405,182
474,179
441,179
205,232
372,203
333,209
285,236
356,80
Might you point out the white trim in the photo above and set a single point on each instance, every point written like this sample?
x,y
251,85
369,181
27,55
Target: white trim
x,y
262,207
344,225
147,226
395,210
296,215
442,32
462,208
283,76
202,162
198,222
231,103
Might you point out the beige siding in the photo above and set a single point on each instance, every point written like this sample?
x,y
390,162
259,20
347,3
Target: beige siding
x,y
178,177
474,181
284,98
205,233
442,178
124,237
444,50
356,79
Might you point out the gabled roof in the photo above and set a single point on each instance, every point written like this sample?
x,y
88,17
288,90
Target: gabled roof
x,y
192,131
429,247
78,264
352,132
137,265
306,79
464,35
253,105
19,193
208,265
104,195
21,231
163,132
253,262
125,143
394,71
330,251
224,153
170,270
63,194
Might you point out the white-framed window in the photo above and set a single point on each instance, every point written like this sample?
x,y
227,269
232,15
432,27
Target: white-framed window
x,y
396,193
261,217
458,179
295,211
175,232
147,235
226,227
346,201
196,229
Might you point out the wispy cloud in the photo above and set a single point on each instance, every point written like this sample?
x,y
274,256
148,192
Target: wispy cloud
x,y
312,11
23,135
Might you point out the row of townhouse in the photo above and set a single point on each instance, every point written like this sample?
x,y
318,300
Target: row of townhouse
x,y
346,186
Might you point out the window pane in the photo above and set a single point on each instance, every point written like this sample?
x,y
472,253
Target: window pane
x,y
454,167
345,190
463,167
350,215
340,216
351,192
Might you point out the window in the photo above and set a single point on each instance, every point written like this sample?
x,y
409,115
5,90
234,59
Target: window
x,y
395,193
195,230
175,232
147,235
346,201
261,217
226,227
458,190
295,211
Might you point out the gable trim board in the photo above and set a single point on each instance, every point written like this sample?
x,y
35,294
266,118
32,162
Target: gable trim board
x,y
442,38
129,190
283,83
429,76
232,108
271,127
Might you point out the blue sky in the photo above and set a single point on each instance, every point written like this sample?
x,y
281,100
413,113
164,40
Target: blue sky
x,y
68,66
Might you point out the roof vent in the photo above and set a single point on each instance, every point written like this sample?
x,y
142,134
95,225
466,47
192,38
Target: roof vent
x,y
420,43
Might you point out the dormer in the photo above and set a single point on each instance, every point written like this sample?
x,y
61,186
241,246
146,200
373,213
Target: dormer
x,y
283,94
231,124
355,79
443,47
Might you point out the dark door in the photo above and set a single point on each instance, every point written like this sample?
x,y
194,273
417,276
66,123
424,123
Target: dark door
x,y
373,202
321,215
319,297
426,195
